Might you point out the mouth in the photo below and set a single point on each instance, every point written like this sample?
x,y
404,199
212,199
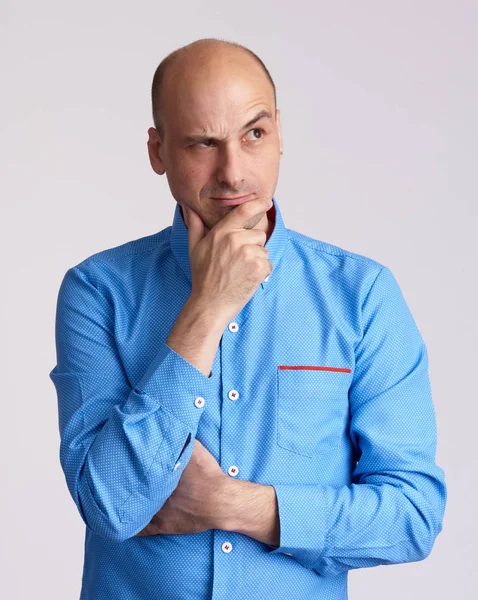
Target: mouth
x,y
228,201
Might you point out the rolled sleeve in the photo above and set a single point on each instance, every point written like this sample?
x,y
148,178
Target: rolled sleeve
x,y
119,445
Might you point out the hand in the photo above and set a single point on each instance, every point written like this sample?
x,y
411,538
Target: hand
x,y
230,261
193,506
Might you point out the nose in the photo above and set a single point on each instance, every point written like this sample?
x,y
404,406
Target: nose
x,y
230,168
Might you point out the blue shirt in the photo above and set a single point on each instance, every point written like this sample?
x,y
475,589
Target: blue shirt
x,y
319,387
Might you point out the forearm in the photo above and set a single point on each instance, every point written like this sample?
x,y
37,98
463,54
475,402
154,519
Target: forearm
x,y
368,525
249,508
196,335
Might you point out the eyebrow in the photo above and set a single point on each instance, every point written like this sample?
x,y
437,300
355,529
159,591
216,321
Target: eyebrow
x,y
262,114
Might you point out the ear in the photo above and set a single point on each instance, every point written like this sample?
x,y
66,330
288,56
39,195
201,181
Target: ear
x,y
279,132
154,151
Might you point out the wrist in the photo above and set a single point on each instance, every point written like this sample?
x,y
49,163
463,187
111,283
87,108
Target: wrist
x,y
224,510
201,311
195,336
248,508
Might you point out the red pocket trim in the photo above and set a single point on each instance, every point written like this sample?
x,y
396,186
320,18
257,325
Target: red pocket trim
x,y
316,368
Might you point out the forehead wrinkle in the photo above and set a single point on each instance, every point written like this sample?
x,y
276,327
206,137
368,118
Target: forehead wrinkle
x,y
205,134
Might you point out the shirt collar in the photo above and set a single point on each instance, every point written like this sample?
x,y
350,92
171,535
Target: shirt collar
x,y
275,244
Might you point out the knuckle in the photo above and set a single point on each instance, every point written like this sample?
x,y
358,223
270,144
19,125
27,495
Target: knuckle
x,y
230,240
214,236
259,263
236,236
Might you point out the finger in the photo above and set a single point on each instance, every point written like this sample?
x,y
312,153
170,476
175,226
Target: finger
x,y
242,214
195,226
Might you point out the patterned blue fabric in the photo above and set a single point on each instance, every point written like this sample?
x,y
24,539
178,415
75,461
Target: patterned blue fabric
x,y
349,448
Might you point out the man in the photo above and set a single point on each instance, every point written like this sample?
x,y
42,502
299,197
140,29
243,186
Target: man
x,y
245,411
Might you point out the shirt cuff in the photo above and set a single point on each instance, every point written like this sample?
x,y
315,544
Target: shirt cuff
x,y
176,385
302,516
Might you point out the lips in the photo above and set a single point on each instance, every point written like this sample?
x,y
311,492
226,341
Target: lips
x,y
236,200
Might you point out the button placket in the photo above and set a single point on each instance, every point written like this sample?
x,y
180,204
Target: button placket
x,y
233,395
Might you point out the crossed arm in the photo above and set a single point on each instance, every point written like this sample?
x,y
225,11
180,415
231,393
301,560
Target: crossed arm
x,y
391,512
206,498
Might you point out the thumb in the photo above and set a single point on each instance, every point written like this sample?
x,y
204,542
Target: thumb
x,y
195,226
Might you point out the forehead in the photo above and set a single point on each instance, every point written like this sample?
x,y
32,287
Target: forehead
x,y
218,98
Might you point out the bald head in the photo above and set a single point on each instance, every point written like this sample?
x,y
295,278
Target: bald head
x,y
197,63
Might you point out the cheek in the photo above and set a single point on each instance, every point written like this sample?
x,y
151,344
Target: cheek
x,y
186,178
266,169
192,174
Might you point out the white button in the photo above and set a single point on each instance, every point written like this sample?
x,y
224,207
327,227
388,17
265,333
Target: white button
x,y
233,395
288,554
226,547
267,278
176,466
233,470
199,402
233,327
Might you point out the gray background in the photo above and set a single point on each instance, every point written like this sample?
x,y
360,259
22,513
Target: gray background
x,y
379,119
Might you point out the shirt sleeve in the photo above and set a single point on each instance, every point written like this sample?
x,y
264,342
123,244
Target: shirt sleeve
x,y
120,444
392,511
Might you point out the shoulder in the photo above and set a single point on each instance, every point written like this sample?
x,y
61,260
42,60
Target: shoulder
x,y
131,248
124,263
324,249
333,257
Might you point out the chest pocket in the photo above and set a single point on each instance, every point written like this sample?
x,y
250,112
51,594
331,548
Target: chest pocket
x,y
312,408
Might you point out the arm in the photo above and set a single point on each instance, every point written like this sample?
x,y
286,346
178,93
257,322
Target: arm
x,y
392,511
119,444
248,508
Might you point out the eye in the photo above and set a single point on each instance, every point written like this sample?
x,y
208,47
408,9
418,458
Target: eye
x,y
258,129
206,143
